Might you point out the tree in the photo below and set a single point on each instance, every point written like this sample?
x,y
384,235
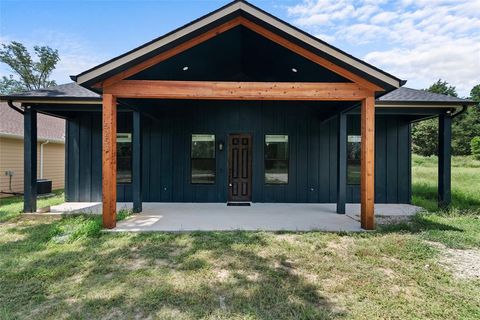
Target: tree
x,y
466,126
32,74
9,85
425,133
425,137
443,87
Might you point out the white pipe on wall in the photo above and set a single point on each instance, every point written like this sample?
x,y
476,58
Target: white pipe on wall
x,y
41,158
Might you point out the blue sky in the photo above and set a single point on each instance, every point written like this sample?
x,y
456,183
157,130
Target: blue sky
x,y
417,40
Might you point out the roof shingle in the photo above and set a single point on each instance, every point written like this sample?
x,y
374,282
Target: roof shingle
x,y
66,91
404,94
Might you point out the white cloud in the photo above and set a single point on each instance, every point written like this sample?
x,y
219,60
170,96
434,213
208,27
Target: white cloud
x,y
418,40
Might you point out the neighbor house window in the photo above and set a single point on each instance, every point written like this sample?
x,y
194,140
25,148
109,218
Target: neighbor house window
x,y
124,158
353,159
203,158
276,159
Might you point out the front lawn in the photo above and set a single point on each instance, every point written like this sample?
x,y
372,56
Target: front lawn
x,y
465,182
57,268
12,207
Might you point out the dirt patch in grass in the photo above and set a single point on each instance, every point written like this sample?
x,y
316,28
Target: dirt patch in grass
x,y
463,263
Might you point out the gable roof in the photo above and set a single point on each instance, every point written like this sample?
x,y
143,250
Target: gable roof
x,y
49,128
405,95
226,13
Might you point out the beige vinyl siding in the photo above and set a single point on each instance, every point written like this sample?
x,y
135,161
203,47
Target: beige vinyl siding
x,y
11,159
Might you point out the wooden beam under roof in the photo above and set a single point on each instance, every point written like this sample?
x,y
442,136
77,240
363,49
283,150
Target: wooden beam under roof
x,y
214,90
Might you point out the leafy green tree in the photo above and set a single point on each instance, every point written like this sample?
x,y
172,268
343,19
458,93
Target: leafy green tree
x,y
32,74
9,85
425,133
443,87
466,126
425,137
475,146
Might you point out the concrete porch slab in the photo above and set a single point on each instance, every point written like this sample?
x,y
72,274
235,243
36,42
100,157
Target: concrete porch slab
x,y
259,216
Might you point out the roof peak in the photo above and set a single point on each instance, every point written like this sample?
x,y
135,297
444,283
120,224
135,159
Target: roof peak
x,y
228,11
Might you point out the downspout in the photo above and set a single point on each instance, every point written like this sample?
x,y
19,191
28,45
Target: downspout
x,y
41,158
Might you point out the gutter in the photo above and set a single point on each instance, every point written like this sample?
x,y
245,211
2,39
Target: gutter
x,y
11,105
464,109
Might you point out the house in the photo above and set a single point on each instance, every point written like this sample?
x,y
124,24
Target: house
x,y
50,151
238,106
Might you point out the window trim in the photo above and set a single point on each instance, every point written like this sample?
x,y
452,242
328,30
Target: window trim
x,y
360,161
265,159
214,159
131,159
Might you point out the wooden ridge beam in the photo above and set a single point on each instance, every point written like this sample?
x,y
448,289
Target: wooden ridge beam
x,y
211,90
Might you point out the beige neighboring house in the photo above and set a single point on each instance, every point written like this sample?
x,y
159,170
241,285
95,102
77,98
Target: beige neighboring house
x,y
51,143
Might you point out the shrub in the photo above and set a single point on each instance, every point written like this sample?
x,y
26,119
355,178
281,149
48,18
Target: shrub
x,y
475,147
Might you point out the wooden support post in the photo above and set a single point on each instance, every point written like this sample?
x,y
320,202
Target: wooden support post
x,y
342,162
367,174
109,161
444,160
30,160
137,162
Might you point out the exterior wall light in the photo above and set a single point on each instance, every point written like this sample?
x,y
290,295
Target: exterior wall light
x,y
185,68
220,145
294,70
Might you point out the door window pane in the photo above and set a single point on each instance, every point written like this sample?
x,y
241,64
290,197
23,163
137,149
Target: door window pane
x,y
124,158
353,159
276,159
203,158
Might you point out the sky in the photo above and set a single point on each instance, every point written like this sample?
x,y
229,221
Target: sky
x,y
417,40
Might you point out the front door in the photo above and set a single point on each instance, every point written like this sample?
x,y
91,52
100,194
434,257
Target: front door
x,y
240,167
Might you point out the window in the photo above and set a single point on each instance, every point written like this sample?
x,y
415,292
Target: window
x,y
124,158
276,159
353,159
203,158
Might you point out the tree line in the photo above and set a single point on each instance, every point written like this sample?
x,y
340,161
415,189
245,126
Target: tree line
x,y
465,127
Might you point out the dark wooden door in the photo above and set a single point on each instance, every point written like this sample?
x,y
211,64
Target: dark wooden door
x,y
240,167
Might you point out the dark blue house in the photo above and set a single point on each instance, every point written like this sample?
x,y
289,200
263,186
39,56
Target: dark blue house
x,y
237,107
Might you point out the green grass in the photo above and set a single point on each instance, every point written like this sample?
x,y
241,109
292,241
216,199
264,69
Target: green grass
x,y
465,182
53,268
12,207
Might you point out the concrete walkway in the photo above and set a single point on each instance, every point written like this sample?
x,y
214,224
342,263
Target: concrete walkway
x,y
258,216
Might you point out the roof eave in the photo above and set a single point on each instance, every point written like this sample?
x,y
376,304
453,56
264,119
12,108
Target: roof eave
x,y
440,104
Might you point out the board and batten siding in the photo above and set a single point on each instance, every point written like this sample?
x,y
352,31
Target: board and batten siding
x,y
11,159
166,153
